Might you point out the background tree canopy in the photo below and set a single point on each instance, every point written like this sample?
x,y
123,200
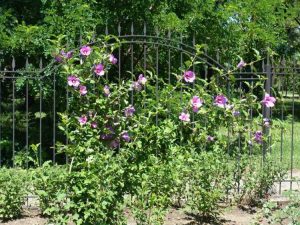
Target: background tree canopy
x,y
233,26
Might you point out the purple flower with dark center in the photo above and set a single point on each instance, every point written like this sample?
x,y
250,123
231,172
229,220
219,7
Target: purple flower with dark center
x,y
142,80
99,69
196,103
236,113
125,136
221,101
58,58
114,144
73,81
136,86
85,50
106,91
66,55
268,101
112,59
109,133
82,90
129,111
106,136
82,120
189,76
185,117
241,64
267,122
210,138
94,125
258,137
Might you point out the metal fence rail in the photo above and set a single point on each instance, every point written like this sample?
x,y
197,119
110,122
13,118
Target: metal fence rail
x,y
30,98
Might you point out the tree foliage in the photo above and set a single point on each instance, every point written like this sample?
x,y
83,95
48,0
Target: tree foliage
x,y
229,25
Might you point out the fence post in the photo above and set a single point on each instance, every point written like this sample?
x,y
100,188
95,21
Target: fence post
x,y
266,110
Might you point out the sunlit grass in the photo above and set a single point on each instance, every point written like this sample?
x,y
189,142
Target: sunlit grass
x,y
285,143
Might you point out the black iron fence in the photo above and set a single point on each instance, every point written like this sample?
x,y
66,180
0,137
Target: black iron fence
x,y
32,94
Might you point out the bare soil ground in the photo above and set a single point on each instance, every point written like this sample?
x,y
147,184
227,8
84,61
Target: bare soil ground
x,y
233,216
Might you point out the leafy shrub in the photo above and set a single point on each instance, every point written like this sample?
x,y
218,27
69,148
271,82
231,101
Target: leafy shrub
x,y
49,184
258,179
209,179
13,191
152,192
83,196
96,191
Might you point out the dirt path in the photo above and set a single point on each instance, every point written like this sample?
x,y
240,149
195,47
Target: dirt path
x,y
233,216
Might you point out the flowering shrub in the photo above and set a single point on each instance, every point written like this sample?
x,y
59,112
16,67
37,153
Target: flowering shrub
x,y
168,149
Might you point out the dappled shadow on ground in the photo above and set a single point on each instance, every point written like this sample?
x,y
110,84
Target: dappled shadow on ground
x,y
205,220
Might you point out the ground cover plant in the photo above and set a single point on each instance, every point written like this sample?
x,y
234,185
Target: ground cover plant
x,y
274,213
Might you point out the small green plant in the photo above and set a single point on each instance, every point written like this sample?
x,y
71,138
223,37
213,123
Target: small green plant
x,y
275,214
30,158
13,191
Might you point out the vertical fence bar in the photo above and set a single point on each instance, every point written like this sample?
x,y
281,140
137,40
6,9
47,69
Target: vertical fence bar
x,y
27,122
229,126
80,44
181,64
145,49
41,104
281,88
0,119
251,114
119,73
239,141
263,112
119,63
27,114
218,60
205,67
294,70
195,53
145,57
266,110
169,69
131,56
67,111
67,105
13,111
273,74
106,33
169,59
156,84
54,118
206,79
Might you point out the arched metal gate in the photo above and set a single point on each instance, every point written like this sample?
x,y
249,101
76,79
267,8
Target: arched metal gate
x,y
31,94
